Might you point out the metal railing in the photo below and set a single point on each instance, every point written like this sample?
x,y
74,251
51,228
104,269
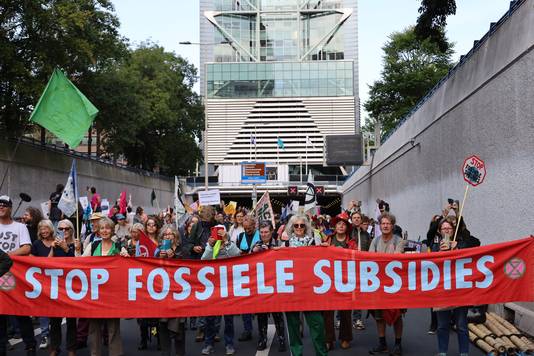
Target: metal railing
x,y
30,141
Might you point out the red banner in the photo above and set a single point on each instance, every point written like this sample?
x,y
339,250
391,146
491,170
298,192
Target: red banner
x,y
307,278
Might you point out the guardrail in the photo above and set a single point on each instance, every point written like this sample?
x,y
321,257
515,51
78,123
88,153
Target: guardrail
x,y
79,155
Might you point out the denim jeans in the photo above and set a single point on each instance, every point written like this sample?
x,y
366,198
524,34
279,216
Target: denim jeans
x,y
356,315
444,320
211,329
247,322
44,324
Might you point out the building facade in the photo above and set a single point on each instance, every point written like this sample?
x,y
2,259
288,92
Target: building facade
x,y
278,73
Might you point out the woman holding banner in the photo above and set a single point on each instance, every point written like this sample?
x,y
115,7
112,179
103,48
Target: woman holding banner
x,y
444,242
171,247
340,238
66,243
266,243
152,231
300,233
105,247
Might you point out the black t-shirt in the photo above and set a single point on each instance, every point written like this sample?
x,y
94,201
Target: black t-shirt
x,y
55,213
39,249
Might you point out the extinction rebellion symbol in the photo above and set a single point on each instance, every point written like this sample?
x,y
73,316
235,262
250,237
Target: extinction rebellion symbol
x,y
515,268
7,282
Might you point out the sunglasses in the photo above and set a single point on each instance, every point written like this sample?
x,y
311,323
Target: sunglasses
x,y
151,225
63,228
299,226
3,205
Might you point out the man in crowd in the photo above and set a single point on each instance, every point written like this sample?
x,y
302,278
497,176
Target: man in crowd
x,y
387,243
14,240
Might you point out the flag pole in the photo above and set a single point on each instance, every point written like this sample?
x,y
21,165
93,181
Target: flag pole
x,y
76,198
306,159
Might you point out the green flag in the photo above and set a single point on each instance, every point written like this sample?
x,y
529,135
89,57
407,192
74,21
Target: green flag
x,y
64,110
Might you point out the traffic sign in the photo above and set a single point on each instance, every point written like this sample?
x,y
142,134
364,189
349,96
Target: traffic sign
x,y
319,190
474,170
292,190
253,173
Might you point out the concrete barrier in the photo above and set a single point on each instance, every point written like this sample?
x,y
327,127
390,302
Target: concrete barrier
x,y
36,171
485,107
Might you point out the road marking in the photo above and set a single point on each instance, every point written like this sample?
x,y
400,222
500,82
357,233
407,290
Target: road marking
x,y
271,330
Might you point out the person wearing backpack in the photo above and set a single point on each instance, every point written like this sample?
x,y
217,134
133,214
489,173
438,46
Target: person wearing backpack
x,y
101,248
387,242
245,242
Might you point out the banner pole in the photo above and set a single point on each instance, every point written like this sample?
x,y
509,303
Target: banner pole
x,y
461,211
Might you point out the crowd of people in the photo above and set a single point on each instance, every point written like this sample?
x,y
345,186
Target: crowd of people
x,y
240,233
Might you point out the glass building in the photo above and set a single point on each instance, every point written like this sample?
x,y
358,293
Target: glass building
x,y
276,70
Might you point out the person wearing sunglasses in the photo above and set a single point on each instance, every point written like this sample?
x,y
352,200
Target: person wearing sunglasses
x,y
300,233
65,244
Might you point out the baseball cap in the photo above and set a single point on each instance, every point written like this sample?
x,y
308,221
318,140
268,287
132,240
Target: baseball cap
x,y
6,201
96,216
120,217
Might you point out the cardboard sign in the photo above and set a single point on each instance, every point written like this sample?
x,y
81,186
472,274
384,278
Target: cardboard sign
x,y
474,170
209,197
84,201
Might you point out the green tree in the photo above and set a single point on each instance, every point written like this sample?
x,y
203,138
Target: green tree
x,y
149,113
36,36
433,19
411,68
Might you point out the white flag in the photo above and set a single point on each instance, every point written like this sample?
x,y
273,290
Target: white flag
x,y
310,201
179,208
69,199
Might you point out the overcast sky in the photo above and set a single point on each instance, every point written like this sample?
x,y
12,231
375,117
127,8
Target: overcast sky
x,y
167,22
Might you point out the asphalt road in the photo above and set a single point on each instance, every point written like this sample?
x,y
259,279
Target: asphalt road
x,y
416,341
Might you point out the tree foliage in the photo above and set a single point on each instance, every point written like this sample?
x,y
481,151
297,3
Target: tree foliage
x,y
37,36
433,19
411,68
149,111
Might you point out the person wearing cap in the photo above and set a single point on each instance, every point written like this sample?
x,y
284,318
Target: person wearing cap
x,y
94,228
15,241
122,229
362,239
339,238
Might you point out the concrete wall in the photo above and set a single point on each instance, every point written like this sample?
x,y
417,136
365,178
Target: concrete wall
x,y
36,172
485,108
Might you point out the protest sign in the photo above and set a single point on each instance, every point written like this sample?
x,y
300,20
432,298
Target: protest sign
x,y
264,209
289,279
474,172
45,209
209,197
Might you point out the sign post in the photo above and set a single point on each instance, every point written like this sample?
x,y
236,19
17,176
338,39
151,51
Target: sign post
x,y
253,173
474,172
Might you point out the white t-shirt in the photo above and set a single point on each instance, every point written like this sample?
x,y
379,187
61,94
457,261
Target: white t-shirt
x,y
13,236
